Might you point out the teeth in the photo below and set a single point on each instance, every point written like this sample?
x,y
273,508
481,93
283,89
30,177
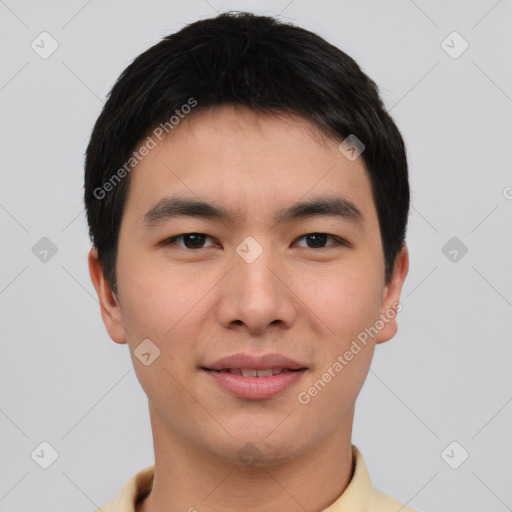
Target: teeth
x,y
252,372
276,371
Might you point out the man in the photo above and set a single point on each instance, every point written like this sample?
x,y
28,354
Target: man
x,y
247,197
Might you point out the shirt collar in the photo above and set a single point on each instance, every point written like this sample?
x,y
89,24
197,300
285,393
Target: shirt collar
x,y
357,495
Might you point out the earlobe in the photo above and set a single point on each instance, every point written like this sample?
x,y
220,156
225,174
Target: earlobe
x,y
110,309
391,297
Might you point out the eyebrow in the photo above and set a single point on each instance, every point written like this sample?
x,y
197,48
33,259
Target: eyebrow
x,y
326,206
171,207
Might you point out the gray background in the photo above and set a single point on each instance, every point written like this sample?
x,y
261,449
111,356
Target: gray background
x,y
445,377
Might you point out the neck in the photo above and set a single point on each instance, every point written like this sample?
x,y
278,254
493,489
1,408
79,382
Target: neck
x,y
190,479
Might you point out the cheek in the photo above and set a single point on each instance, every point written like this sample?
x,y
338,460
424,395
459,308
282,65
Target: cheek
x,y
167,306
155,300
348,305
346,302
344,351
157,304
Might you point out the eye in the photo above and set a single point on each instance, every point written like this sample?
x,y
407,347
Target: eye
x,y
190,240
318,240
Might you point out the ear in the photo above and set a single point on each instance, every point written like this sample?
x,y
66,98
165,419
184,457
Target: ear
x,y
110,309
391,297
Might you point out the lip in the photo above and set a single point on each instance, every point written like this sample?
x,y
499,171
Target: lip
x,y
256,388
252,361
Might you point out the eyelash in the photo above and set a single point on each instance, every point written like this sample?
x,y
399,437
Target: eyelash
x,y
337,240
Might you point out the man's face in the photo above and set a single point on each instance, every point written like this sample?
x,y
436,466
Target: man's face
x,y
253,284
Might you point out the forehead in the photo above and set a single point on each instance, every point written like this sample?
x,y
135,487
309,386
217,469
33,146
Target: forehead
x,y
248,161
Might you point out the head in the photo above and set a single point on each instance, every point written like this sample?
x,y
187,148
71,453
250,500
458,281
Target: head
x,y
246,117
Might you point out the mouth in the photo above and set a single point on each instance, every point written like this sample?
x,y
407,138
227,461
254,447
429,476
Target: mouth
x,y
254,383
254,376
254,372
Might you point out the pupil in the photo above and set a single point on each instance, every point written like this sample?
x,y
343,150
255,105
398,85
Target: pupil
x,y
195,239
317,238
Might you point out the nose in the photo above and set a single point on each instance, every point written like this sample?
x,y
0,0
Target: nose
x,y
255,295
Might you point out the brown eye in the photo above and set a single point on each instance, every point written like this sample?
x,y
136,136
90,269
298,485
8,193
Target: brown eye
x,y
318,240
188,240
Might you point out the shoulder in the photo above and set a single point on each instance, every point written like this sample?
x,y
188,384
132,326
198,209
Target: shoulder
x,y
373,499
380,502
134,489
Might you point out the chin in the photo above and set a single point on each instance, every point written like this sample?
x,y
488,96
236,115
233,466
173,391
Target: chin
x,y
260,450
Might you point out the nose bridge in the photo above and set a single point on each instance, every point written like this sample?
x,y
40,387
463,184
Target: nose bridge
x,y
254,294
252,263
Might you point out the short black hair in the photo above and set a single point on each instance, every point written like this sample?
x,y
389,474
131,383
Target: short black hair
x,y
242,59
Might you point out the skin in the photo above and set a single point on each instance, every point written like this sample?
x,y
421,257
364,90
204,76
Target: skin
x,y
198,305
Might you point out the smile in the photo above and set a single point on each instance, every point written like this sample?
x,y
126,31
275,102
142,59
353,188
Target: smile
x,y
255,384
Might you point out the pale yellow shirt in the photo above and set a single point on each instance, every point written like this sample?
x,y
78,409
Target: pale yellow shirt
x,y
359,496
